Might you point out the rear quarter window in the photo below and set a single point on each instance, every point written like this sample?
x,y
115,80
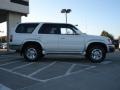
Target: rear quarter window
x,y
26,28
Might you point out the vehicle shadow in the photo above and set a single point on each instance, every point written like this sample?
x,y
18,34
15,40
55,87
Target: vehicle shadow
x,y
68,59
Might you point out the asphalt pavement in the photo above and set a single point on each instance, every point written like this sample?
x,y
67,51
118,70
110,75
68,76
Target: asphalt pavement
x,y
59,73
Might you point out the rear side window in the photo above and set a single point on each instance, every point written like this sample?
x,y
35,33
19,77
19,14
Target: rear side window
x,y
49,29
26,28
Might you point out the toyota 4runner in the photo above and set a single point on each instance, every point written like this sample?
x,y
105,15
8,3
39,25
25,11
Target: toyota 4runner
x,y
34,40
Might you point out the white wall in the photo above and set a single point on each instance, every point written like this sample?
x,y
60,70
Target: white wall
x,y
7,5
13,19
3,29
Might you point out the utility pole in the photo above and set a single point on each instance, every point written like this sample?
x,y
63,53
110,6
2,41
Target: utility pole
x,y
66,11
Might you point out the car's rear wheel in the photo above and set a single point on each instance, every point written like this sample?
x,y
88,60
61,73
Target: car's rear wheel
x,y
96,54
32,53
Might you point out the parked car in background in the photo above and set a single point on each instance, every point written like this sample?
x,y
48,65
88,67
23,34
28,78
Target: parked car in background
x,y
3,45
116,43
119,46
0,45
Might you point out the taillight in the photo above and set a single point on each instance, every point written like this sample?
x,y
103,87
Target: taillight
x,y
11,38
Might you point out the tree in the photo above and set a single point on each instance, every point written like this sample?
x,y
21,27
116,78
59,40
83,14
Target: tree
x,y
106,34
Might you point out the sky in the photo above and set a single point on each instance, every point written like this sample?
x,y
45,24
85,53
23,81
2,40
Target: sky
x,y
91,16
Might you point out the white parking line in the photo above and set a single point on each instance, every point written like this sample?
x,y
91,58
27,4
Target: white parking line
x,y
2,87
78,64
85,65
41,69
6,56
22,66
61,76
65,75
9,63
70,69
106,62
88,68
22,75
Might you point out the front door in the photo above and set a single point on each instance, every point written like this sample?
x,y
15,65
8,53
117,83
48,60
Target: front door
x,y
69,40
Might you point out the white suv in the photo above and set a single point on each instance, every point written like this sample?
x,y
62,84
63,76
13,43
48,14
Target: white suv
x,y
35,40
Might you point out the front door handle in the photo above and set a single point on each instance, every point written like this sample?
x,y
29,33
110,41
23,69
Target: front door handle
x,y
62,38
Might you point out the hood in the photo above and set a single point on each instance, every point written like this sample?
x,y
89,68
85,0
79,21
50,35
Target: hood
x,y
94,38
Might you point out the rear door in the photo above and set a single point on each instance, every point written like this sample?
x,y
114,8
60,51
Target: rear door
x,y
48,35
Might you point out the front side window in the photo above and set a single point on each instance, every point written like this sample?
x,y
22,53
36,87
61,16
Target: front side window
x,y
26,28
67,30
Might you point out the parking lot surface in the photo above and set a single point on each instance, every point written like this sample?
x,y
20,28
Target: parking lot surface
x,y
60,73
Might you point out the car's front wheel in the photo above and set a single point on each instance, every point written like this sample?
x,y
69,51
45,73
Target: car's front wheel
x,y
96,54
32,53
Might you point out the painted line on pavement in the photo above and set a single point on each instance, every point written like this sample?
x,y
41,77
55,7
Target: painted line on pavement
x,y
9,63
106,62
19,74
2,87
22,66
41,69
72,73
70,69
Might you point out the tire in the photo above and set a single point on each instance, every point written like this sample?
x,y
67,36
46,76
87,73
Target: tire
x,y
32,53
96,54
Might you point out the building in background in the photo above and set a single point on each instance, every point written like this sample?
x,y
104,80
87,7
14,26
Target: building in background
x,y
11,12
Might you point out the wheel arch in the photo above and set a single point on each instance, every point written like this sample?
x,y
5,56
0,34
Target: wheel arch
x,y
30,43
96,44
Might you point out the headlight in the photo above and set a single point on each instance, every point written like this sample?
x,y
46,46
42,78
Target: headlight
x,y
109,41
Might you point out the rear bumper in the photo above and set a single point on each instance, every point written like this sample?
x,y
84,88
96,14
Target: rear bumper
x,y
111,48
15,47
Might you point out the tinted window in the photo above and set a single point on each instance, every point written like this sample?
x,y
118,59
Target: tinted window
x,y
49,29
26,28
67,29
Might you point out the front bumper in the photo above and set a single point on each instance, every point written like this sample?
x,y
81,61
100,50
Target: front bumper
x,y
119,47
111,48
